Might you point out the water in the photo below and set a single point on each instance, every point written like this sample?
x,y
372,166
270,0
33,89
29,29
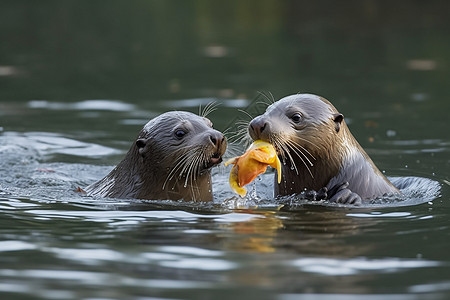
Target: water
x,y
76,90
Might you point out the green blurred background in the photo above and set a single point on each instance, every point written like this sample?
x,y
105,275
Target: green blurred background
x,y
384,64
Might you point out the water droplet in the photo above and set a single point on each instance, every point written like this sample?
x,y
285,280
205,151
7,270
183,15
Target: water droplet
x,y
253,194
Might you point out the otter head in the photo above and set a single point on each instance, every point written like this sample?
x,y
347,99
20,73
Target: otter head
x,y
305,130
177,150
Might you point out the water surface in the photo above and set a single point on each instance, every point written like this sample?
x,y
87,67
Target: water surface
x,y
78,79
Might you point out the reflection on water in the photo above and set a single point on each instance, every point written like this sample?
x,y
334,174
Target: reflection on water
x,y
257,235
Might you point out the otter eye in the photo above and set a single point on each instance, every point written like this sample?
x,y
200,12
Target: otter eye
x,y
296,117
179,133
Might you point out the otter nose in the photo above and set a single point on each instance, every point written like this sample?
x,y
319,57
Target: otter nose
x,y
257,126
216,138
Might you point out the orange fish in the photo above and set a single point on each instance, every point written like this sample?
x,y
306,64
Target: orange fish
x,y
253,162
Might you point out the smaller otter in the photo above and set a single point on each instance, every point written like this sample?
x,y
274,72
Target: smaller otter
x,y
318,151
171,159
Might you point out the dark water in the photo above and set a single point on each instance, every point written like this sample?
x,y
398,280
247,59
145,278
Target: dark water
x,y
384,64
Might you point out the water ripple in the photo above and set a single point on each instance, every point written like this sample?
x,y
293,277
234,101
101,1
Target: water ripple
x,y
6,246
339,267
112,216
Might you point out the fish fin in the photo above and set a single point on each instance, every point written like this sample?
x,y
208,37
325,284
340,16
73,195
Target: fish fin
x,y
277,165
233,161
234,182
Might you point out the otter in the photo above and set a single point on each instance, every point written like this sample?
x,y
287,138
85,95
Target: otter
x,y
318,151
171,159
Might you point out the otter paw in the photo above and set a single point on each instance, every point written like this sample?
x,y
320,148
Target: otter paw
x,y
341,194
346,197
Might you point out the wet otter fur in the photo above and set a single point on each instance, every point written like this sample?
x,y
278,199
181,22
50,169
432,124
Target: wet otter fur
x,y
318,151
170,159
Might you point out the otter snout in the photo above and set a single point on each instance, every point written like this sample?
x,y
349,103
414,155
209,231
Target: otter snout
x,y
217,139
259,128
219,142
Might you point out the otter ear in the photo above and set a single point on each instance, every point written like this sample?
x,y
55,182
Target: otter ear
x,y
337,118
141,143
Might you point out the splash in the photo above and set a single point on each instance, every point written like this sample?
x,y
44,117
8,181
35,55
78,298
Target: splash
x,y
252,163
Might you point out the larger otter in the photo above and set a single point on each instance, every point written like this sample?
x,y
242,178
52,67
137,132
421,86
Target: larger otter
x,y
171,159
318,151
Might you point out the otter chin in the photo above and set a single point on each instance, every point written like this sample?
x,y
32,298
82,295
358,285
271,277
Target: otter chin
x,y
170,159
318,151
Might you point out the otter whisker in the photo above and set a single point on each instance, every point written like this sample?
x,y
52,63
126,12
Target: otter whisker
x,y
239,136
179,163
271,96
285,145
185,155
271,99
231,130
196,164
242,122
263,103
233,149
189,173
294,145
301,155
185,166
308,141
188,166
306,165
246,113
303,161
277,145
208,109
285,148
242,132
